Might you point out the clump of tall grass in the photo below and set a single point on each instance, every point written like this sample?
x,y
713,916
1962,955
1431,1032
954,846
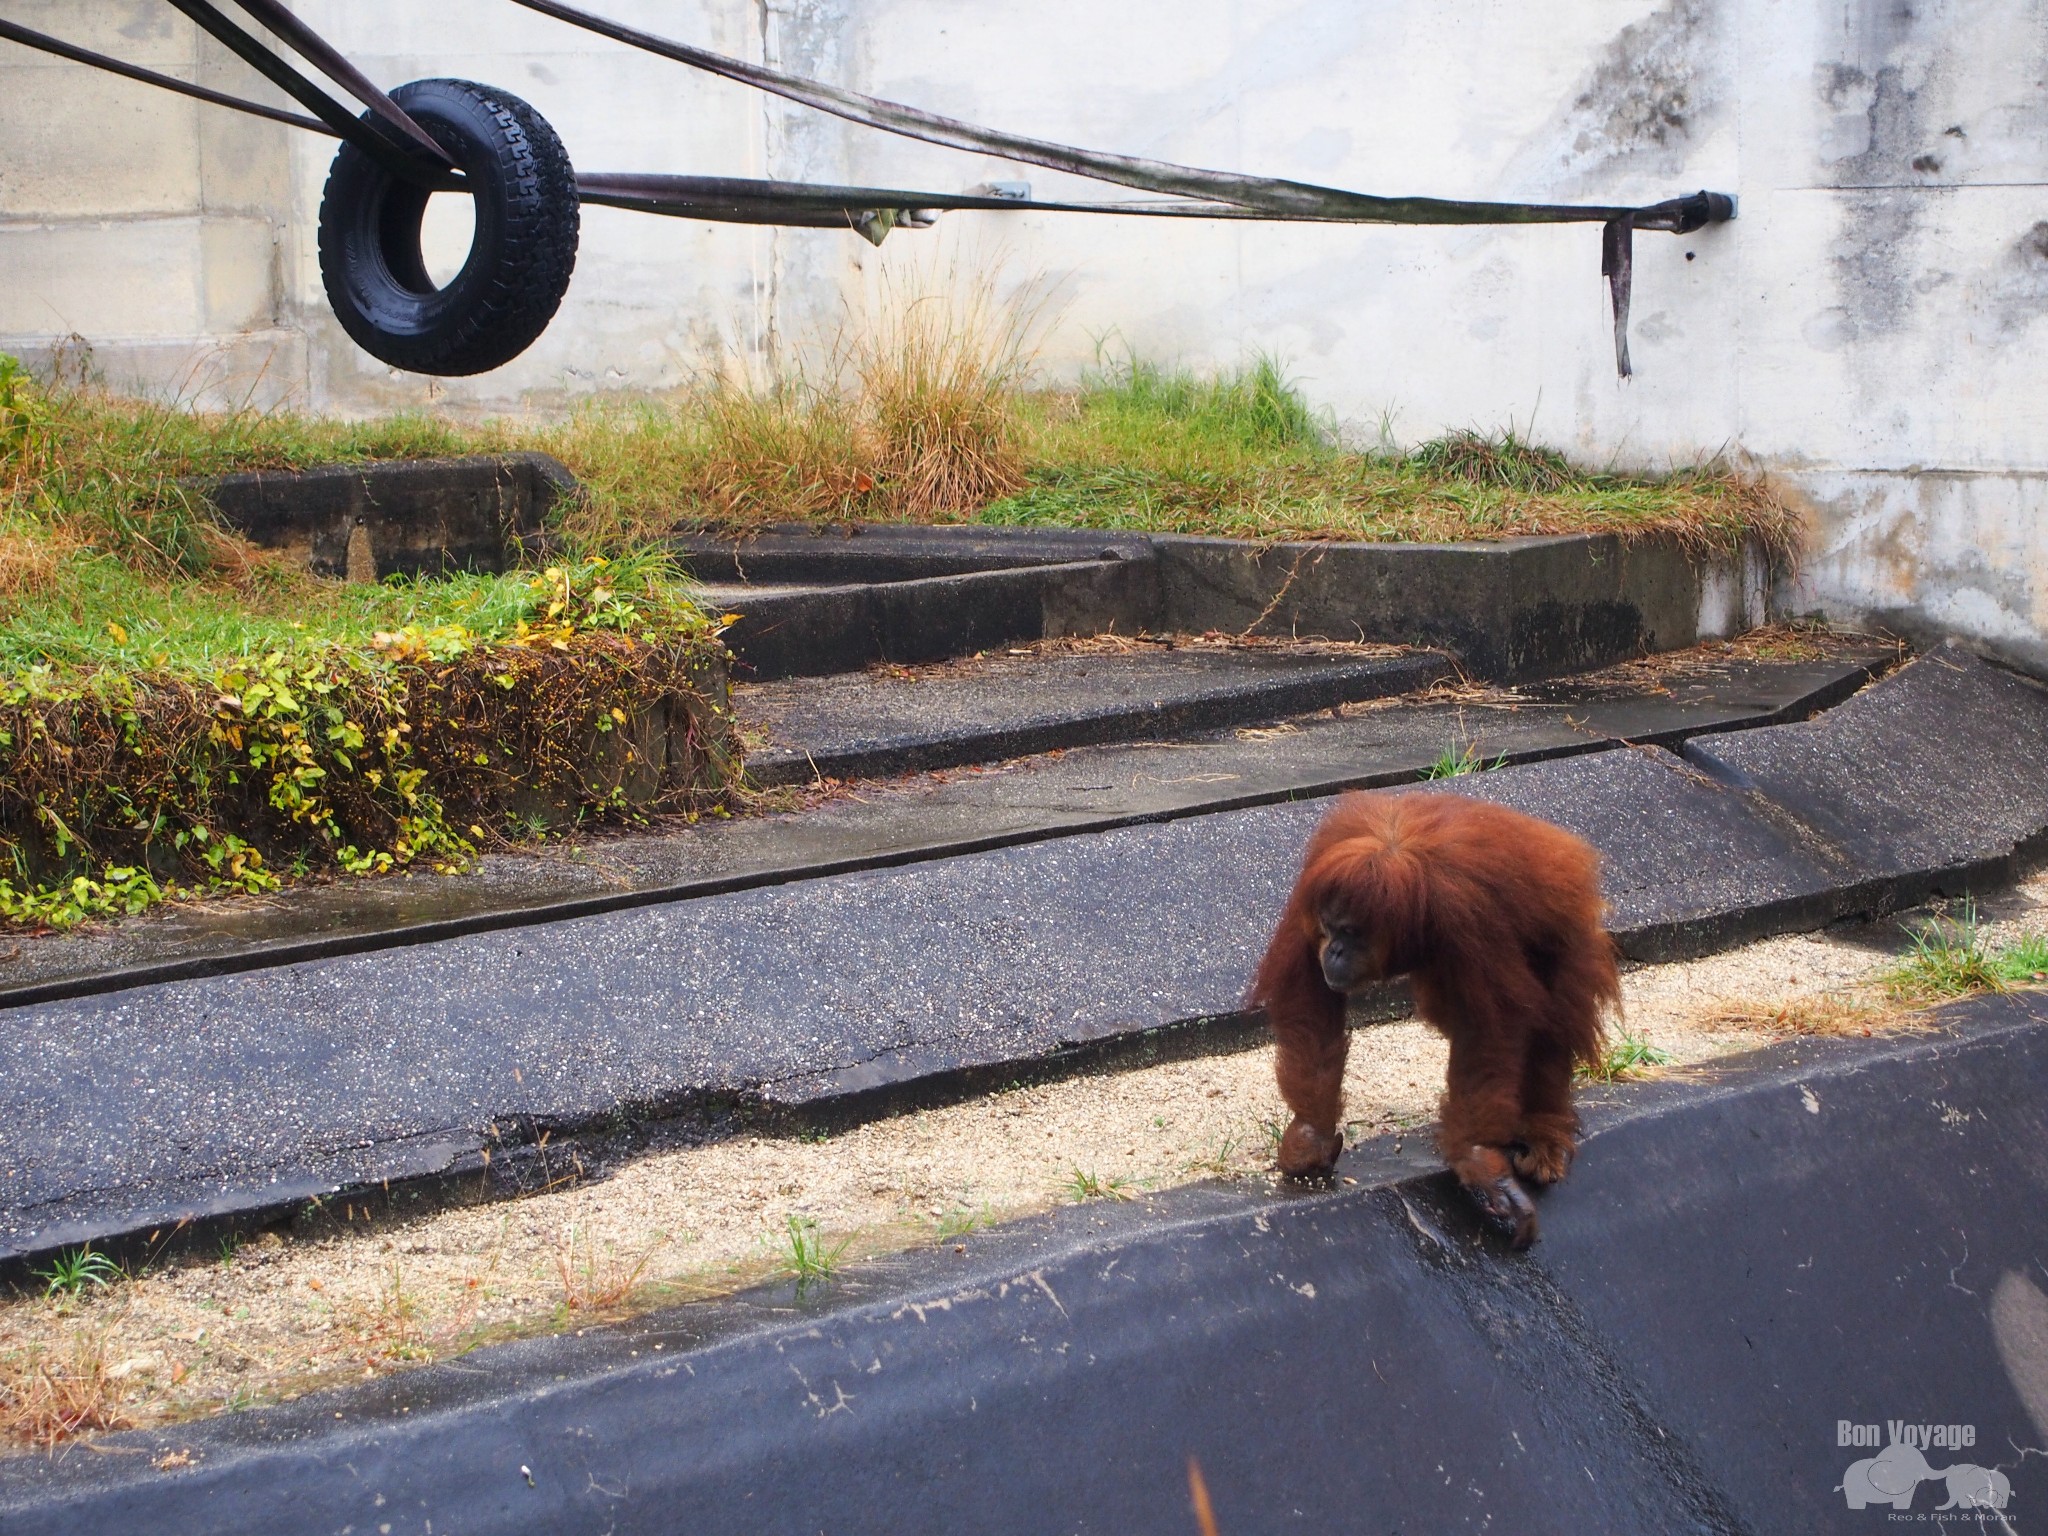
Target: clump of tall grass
x,y
1503,460
911,414
938,372
1951,957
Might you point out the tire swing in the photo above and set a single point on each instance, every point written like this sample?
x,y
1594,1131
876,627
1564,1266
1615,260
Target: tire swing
x,y
517,173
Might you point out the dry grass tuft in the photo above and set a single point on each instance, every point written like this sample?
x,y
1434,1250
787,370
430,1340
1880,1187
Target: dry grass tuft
x,y
781,450
913,416
939,369
1830,1013
389,1325
1504,461
596,1277
50,1395
29,561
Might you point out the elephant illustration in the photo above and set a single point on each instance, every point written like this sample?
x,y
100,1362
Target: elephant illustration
x,y
1976,1487
1889,1477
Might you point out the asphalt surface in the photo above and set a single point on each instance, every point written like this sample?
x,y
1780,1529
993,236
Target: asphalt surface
x,y
130,1111
933,815
1743,1262
900,720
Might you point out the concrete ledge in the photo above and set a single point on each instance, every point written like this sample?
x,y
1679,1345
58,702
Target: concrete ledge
x,y
1511,610
805,553
1519,608
421,517
845,628
1609,1380
1947,760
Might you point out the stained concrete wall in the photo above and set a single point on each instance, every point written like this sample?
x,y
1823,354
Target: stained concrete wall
x,y
1870,328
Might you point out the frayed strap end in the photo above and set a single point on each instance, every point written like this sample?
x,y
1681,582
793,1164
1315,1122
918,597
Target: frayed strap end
x,y
1617,264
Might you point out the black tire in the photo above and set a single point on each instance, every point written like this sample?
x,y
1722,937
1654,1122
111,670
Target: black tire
x,y
527,220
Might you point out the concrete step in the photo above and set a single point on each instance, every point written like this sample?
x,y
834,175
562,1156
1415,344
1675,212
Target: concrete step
x,y
1717,1289
860,992
1508,609
898,720
940,814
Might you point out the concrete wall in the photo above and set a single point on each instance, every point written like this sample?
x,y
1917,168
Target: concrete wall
x,y
1871,327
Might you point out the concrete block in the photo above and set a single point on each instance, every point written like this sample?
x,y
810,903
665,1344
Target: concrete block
x,y
192,280
1517,608
843,628
244,162
872,552
420,516
128,280
240,258
85,144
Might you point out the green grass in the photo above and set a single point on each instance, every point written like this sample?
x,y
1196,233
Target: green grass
x,y
1456,763
1244,455
1089,1186
182,713
78,1269
960,1221
930,438
105,613
109,560
1624,1058
806,1258
1950,957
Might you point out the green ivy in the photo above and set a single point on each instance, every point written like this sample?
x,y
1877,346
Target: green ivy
x,y
120,790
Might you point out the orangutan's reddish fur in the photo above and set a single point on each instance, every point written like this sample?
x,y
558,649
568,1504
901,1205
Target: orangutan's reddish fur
x,y
1495,919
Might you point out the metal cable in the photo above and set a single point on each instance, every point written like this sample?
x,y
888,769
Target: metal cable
x,y
1264,196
